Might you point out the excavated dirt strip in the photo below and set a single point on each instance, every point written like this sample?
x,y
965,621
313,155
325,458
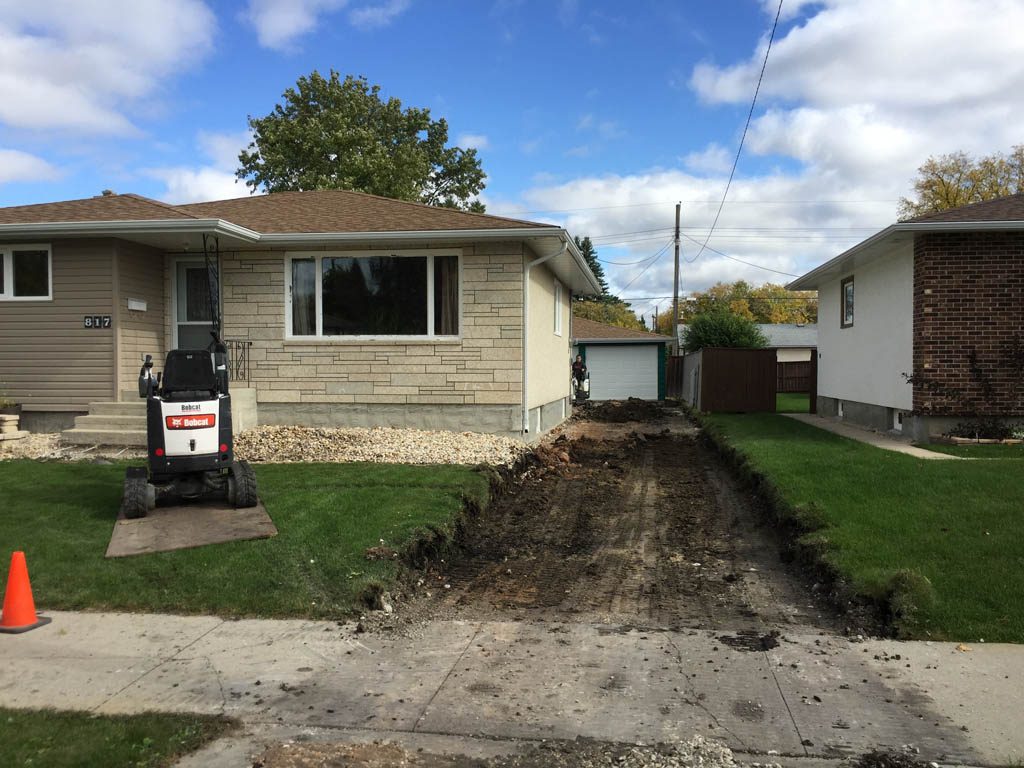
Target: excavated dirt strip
x,y
641,530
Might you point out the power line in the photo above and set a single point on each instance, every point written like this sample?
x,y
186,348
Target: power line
x,y
799,299
521,212
741,261
746,126
654,261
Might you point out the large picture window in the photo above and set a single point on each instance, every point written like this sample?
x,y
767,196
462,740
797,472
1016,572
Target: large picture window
x,y
373,296
25,272
846,302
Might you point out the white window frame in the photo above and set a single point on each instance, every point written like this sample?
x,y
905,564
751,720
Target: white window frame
x,y
319,256
7,256
558,308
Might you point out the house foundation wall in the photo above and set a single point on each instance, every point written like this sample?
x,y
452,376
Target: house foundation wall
x,y
493,419
546,417
878,417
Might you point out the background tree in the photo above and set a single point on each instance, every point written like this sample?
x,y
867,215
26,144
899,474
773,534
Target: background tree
x,y
615,312
590,255
768,303
602,307
721,328
949,181
339,134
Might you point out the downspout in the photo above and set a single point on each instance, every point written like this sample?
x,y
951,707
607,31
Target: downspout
x,y
526,328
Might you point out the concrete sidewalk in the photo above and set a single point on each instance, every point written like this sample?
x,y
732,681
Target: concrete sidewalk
x,y
482,686
864,435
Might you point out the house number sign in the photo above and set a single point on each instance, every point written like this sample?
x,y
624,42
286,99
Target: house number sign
x,y
97,321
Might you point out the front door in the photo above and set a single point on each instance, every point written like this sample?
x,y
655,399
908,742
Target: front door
x,y
193,318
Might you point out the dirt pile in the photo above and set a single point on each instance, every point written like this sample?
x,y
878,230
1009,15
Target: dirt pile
x,y
618,411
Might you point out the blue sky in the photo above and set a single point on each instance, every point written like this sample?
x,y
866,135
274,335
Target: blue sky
x,y
595,115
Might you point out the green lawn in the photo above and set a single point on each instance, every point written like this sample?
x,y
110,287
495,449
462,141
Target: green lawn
x,y
957,524
327,515
74,739
792,402
979,451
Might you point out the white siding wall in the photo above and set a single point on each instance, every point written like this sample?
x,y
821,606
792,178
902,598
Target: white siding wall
x,y
864,363
549,352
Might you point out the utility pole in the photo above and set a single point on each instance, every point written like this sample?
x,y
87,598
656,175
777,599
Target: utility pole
x,y
675,289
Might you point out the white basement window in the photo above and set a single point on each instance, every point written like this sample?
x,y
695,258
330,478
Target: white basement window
x,y
25,273
558,308
397,295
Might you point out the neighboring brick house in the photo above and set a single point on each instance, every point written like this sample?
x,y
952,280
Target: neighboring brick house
x,y
340,308
938,299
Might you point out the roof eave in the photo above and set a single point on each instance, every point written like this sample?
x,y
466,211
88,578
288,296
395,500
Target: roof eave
x,y
624,340
812,279
129,227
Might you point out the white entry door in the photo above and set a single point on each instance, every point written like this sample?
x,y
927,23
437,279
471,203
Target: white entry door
x,y
193,318
621,371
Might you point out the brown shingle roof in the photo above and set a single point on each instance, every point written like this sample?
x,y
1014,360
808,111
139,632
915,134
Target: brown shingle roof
x,y
336,210
99,208
583,330
1010,208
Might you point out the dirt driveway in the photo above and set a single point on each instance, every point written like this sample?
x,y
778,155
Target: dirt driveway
x,y
628,523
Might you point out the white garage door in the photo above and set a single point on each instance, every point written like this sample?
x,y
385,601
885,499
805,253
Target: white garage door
x,y
621,371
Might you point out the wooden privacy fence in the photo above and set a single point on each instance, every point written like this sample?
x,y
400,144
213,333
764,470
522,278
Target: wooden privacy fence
x,y
719,380
794,377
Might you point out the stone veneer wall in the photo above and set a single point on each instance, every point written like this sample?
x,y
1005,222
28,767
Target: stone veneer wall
x,y
968,293
305,378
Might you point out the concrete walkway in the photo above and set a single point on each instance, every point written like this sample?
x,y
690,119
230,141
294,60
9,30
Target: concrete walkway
x,y
863,435
482,687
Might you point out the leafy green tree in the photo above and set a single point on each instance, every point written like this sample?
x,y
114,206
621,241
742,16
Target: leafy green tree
x,y
720,328
331,133
949,181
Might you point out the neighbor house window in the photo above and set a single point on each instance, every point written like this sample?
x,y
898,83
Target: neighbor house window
x,y
25,272
373,295
846,302
558,308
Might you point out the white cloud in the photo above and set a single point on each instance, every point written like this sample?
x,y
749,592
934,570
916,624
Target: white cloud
x,y
856,95
195,185
376,16
472,141
21,166
222,149
714,158
214,181
83,66
280,23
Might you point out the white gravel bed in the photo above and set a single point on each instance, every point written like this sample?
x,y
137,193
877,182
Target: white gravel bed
x,y
296,444
376,444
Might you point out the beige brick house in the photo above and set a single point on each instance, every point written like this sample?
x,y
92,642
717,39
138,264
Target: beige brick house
x,y
339,308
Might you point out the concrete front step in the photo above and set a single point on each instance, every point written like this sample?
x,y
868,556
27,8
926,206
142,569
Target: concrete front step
x,y
131,408
93,421
125,437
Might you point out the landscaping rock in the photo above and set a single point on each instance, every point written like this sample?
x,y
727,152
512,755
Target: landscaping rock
x,y
377,444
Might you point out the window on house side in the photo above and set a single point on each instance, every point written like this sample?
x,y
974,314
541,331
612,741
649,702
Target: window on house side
x,y
24,273
846,296
558,308
375,296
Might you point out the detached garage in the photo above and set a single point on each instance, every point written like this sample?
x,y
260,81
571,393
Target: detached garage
x,y
623,363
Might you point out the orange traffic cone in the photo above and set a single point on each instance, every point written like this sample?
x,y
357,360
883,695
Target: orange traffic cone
x,y
19,608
